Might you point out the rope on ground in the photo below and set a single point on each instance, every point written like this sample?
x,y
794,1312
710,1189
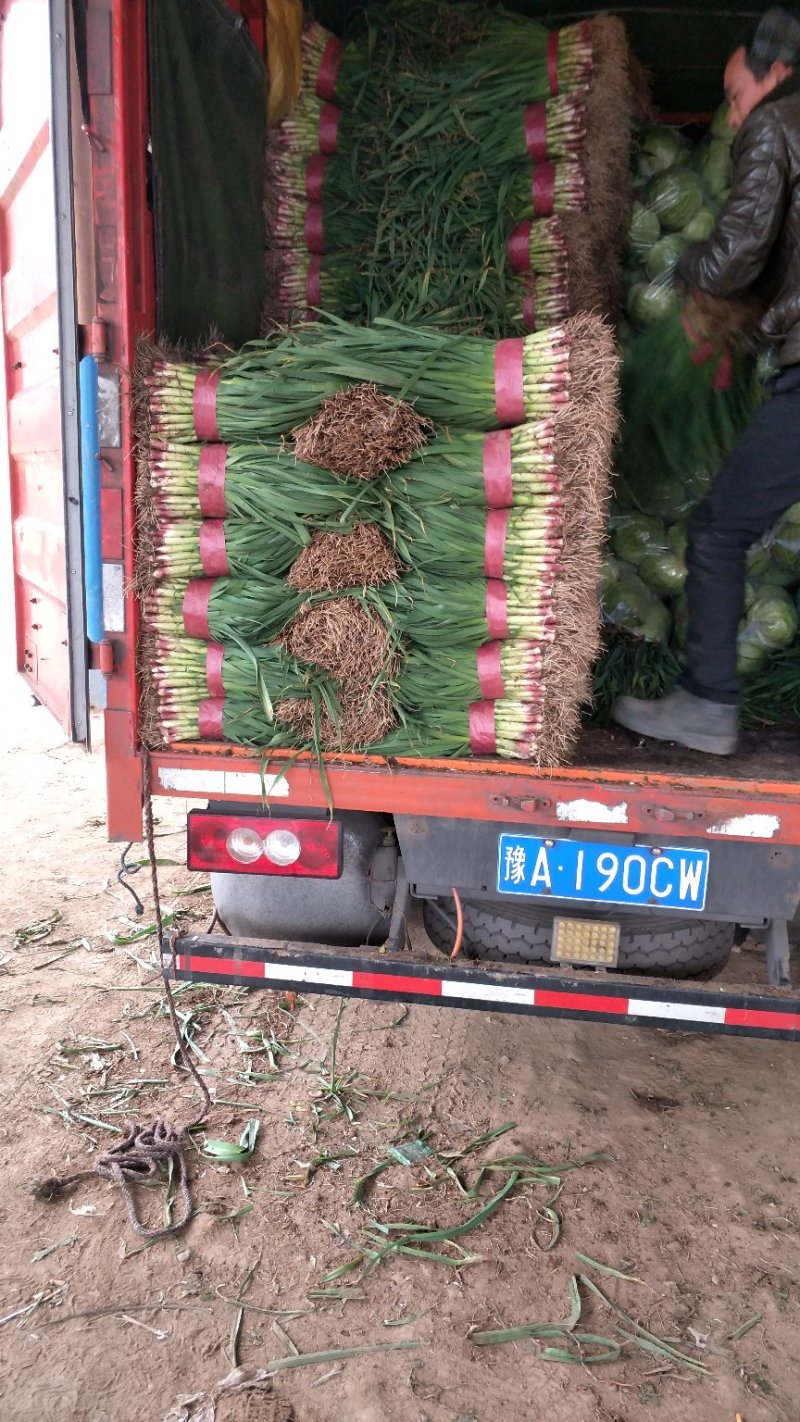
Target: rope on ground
x,y
145,1151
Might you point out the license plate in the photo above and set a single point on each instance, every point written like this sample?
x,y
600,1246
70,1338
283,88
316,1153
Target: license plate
x,y
602,873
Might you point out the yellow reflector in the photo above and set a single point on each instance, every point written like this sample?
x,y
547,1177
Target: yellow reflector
x,y
585,940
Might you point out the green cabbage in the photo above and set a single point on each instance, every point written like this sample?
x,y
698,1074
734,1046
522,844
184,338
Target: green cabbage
x,y
758,558
665,573
655,492
676,196
634,535
610,570
649,302
784,541
716,167
663,257
751,657
629,603
772,619
660,148
645,228
701,226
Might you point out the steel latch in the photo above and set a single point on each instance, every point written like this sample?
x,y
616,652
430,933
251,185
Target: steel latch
x,y
665,815
520,802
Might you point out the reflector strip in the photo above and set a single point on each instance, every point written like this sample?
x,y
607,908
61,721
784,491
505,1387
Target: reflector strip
x,y
677,1011
389,982
581,1002
241,967
329,977
480,988
486,992
773,1021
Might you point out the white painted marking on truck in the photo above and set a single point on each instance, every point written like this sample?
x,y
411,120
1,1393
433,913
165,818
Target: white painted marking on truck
x,y
592,812
192,782
220,782
675,1011
487,992
297,973
246,782
113,597
748,827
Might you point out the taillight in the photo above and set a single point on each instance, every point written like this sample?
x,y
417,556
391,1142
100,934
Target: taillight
x,y
258,844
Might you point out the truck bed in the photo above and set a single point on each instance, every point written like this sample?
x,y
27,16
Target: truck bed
x,y
763,756
613,780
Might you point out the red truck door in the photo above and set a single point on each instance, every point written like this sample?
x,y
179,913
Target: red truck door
x,y
39,422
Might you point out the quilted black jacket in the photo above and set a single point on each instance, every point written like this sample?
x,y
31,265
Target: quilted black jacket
x,y
756,242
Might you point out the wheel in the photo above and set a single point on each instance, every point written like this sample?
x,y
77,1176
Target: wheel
x,y
669,947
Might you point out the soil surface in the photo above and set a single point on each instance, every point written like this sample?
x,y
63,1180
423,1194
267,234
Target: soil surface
x,y
694,1198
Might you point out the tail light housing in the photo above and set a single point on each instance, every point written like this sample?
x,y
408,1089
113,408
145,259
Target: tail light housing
x,y
262,844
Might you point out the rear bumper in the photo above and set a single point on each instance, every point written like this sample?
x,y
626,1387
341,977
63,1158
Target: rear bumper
x,y
405,977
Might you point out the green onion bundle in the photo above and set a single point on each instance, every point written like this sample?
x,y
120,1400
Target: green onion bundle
x,y
514,731
220,609
241,409
417,146
433,679
439,614
460,465
514,56
448,540
244,684
197,548
450,379
274,385
259,482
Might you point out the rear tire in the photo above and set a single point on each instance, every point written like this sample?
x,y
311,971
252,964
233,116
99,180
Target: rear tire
x,y
668,947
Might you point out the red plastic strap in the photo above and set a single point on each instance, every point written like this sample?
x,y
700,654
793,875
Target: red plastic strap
x,y
497,609
704,350
490,675
543,189
211,480
529,304
329,128
482,737
509,391
213,553
328,71
497,477
536,131
204,404
215,656
210,719
552,60
494,542
723,379
314,282
314,228
315,176
195,608
518,247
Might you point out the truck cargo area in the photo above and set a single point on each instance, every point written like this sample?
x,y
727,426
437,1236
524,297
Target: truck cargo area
x,y
426,829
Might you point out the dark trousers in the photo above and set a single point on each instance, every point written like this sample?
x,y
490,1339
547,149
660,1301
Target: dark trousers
x,y
756,484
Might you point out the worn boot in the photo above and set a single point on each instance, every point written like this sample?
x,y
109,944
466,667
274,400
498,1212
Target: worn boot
x,y
689,720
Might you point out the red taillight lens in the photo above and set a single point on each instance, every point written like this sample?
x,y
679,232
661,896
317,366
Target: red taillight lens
x,y
258,844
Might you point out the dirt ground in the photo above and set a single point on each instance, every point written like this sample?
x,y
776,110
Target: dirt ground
x,y
696,1199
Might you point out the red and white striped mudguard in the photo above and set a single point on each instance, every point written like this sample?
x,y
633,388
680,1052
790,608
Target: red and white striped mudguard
x,y
539,993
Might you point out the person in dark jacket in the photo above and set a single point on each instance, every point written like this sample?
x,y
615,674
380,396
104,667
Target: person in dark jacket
x,y
756,241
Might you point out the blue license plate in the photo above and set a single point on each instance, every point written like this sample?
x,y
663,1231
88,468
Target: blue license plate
x,y
602,873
